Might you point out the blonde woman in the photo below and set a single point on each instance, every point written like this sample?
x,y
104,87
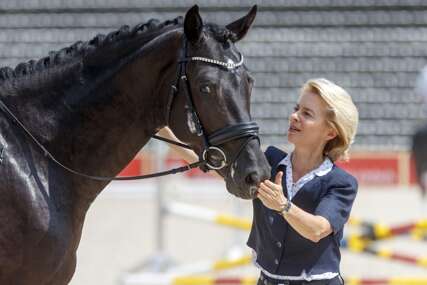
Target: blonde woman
x,y
299,216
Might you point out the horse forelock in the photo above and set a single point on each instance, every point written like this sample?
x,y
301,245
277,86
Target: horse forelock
x,y
219,33
97,45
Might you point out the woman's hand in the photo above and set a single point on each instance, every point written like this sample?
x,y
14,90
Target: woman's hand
x,y
310,226
271,194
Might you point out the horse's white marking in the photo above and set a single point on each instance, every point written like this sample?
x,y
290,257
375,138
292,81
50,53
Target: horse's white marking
x,y
190,123
232,171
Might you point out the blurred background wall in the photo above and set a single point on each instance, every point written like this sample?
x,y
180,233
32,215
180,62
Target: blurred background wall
x,y
374,49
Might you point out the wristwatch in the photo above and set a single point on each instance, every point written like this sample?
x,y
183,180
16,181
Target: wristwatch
x,y
286,207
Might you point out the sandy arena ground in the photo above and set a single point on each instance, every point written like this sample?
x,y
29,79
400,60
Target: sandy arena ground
x,y
120,230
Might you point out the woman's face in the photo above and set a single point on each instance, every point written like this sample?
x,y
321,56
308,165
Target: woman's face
x,y
308,127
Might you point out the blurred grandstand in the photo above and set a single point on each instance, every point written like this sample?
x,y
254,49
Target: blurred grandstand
x,y
374,49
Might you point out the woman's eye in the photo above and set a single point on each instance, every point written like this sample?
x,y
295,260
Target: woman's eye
x,y
295,109
205,89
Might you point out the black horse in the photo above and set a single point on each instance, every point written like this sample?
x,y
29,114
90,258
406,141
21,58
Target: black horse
x,y
93,105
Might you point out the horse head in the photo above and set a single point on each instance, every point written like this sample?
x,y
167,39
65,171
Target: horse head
x,y
212,97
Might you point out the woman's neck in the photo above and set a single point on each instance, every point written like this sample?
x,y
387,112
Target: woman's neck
x,y
304,161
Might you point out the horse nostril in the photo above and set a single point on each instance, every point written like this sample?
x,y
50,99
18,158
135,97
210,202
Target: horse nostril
x,y
252,178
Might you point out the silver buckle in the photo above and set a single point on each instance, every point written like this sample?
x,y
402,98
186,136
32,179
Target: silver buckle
x,y
223,162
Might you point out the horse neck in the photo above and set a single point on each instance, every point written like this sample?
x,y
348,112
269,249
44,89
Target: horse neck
x,y
138,97
98,127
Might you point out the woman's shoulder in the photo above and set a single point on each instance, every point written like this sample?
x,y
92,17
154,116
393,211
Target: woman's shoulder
x,y
340,177
274,150
274,154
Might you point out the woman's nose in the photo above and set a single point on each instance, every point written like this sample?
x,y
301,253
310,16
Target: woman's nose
x,y
294,117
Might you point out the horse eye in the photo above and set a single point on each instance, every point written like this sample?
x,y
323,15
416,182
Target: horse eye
x,y
205,89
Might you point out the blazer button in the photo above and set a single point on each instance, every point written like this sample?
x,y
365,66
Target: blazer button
x,y
279,244
276,261
270,219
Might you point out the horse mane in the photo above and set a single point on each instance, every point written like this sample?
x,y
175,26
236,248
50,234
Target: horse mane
x,y
102,47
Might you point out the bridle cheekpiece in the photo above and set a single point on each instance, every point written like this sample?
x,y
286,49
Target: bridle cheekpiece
x,y
212,142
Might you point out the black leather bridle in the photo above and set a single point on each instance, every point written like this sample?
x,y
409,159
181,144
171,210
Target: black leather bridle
x,y
211,142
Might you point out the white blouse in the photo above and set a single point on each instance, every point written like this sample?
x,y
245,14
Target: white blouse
x,y
292,187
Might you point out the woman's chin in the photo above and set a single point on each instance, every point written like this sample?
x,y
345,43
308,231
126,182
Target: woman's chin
x,y
291,138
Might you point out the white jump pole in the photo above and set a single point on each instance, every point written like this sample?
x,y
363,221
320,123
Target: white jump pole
x,y
159,261
207,215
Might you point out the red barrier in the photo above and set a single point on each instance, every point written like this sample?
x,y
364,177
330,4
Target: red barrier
x,y
373,171
370,168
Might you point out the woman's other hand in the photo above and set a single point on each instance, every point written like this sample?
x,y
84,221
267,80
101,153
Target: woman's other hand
x,y
188,155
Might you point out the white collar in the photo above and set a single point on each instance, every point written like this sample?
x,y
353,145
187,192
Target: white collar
x,y
322,170
293,188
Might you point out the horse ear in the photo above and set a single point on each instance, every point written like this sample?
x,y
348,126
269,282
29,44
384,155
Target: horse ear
x,y
241,26
193,24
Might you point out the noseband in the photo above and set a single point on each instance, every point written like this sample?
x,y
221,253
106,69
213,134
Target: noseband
x,y
211,143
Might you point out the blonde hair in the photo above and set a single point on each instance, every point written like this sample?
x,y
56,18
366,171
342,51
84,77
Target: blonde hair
x,y
342,115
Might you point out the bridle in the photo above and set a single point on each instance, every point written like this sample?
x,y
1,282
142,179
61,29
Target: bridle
x,y
211,143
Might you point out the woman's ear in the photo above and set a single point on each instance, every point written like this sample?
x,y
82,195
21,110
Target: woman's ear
x,y
331,133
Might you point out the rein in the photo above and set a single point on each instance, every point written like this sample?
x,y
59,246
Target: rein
x,y
47,154
211,142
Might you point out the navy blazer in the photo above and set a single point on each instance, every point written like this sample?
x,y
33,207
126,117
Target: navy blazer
x,y
279,248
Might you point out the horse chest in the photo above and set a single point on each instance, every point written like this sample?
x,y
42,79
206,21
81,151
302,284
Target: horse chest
x,y
36,248
53,245
40,234
51,221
